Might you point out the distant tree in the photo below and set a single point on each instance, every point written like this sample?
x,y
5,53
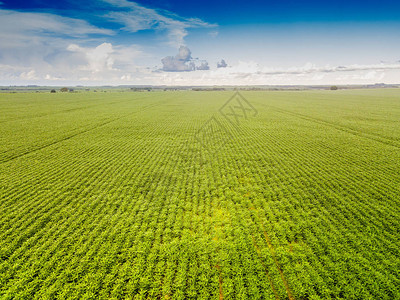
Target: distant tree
x,y
334,88
64,89
52,91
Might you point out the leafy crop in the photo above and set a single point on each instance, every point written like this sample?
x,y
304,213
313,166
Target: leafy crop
x,y
111,195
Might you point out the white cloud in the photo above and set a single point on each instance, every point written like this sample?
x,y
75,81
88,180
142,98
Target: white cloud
x,y
183,62
203,66
98,59
135,17
311,68
101,64
242,73
21,24
317,77
126,77
372,75
38,48
179,62
222,64
213,34
106,57
39,40
51,78
28,75
251,73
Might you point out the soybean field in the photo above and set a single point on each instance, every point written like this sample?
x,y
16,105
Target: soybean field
x,y
200,195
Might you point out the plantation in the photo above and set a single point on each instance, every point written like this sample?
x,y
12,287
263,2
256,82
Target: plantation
x,y
175,195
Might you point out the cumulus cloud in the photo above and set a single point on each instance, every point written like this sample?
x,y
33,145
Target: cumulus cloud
x,y
222,64
184,54
183,62
38,48
28,75
252,73
98,58
37,45
103,64
180,62
171,64
203,66
38,41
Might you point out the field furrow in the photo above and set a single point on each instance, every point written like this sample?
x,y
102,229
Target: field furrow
x,y
160,196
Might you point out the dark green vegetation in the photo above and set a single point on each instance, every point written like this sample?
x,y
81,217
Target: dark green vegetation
x,y
112,196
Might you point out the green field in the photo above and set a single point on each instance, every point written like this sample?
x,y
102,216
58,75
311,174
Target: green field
x,y
157,195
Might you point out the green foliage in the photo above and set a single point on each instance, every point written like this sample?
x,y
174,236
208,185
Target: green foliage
x,y
111,196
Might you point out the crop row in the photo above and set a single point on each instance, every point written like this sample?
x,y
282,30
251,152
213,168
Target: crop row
x,y
138,208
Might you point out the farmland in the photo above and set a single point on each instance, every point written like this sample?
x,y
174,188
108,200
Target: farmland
x,y
164,195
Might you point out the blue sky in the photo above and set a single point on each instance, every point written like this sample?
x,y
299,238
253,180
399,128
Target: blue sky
x,y
70,42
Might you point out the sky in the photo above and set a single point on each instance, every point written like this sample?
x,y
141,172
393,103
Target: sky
x,y
219,42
